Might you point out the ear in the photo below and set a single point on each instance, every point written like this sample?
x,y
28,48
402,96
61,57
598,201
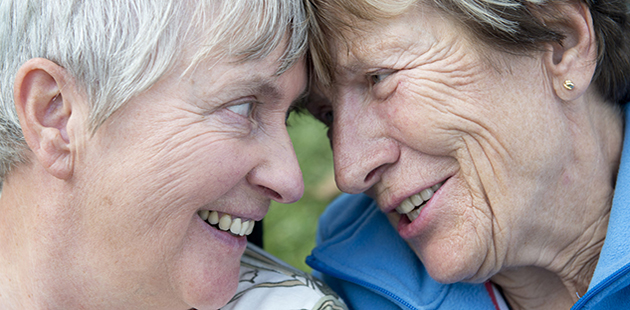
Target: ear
x,y
43,110
576,58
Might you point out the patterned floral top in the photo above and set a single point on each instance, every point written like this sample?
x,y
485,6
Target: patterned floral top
x,y
269,283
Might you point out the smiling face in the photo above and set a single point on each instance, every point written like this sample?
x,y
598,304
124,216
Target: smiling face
x,y
421,111
211,140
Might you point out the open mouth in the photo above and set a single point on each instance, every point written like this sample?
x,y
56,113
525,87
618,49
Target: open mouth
x,y
226,222
414,204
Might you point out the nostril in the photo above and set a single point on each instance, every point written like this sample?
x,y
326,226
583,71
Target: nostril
x,y
270,193
370,176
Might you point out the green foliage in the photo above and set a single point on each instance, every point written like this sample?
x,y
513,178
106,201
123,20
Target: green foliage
x,y
289,230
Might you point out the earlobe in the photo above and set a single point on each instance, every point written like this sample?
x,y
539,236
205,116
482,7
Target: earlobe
x,y
571,65
44,111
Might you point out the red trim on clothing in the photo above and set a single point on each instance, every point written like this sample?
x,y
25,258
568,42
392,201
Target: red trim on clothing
x,y
490,290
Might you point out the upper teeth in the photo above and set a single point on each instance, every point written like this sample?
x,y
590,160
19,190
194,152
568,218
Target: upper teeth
x,y
236,225
413,205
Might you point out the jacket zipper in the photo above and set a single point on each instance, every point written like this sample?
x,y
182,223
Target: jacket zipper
x,y
601,286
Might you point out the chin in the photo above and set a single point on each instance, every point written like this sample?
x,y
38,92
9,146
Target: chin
x,y
211,283
212,294
447,266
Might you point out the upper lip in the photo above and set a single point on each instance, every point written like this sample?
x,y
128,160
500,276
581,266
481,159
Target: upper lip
x,y
389,204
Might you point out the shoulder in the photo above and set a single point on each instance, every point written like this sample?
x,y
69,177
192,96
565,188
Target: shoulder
x,y
266,282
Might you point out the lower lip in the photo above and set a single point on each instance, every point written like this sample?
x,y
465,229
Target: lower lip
x,y
408,229
224,236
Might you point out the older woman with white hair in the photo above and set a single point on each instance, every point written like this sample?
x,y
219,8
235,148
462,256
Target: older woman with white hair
x,y
489,133
139,143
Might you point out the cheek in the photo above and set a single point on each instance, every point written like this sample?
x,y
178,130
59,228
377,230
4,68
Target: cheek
x,y
422,124
511,129
440,103
171,181
205,165
456,247
141,206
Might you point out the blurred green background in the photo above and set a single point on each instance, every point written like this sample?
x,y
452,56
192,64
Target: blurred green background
x,y
289,230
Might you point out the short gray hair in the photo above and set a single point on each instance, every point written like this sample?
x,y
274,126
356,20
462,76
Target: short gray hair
x,y
115,49
515,26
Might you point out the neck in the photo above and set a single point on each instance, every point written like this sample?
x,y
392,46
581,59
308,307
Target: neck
x,y
33,266
557,285
555,265
533,288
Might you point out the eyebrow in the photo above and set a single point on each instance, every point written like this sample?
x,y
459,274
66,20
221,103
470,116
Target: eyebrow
x,y
370,53
269,90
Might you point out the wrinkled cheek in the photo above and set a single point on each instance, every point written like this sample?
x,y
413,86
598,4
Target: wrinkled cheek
x,y
454,247
431,134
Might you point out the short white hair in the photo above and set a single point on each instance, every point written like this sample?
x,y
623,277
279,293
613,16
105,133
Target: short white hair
x,y
115,49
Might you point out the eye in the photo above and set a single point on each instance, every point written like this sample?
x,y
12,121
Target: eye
x,y
322,113
242,109
326,117
378,77
320,107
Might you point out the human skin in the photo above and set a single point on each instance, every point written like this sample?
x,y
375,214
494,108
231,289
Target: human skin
x,y
115,224
417,101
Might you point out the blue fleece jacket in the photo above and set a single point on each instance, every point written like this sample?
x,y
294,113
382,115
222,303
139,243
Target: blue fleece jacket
x,y
361,256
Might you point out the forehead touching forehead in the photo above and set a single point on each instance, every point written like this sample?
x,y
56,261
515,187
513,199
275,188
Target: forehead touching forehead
x,y
249,30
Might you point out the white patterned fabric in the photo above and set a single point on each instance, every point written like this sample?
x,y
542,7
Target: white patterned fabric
x,y
266,282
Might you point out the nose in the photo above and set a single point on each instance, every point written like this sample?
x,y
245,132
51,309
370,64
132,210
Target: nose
x,y
361,149
278,176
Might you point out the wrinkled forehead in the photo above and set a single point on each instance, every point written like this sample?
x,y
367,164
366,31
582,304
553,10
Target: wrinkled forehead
x,y
370,45
354,39
369,48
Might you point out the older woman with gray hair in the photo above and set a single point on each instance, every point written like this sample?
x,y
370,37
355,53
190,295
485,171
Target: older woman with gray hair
x,y
490,136
139,143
